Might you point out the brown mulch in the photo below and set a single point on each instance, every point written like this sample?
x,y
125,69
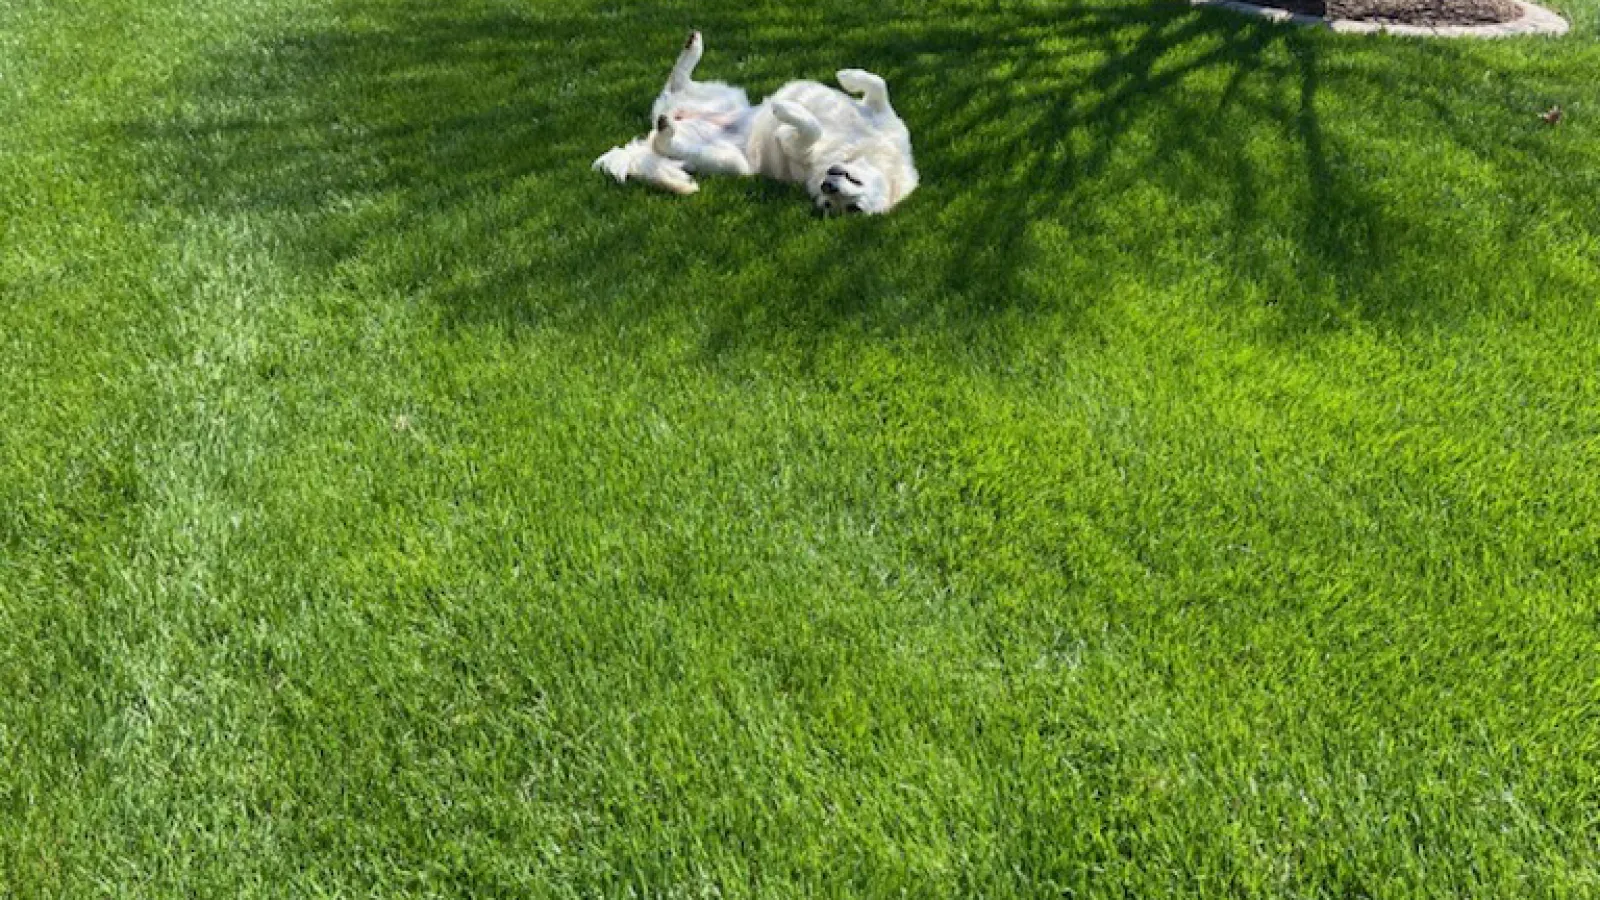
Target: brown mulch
x,y
1405,12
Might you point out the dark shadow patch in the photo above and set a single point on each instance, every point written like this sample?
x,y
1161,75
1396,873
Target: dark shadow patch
x,y
447,150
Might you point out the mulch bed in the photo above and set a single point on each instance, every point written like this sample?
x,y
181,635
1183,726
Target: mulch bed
x,y
1431,13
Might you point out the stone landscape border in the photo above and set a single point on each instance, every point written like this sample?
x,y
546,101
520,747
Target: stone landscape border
x,y
1533,20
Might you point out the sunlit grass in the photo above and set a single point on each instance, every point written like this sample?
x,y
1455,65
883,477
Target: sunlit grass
x,y
1189,492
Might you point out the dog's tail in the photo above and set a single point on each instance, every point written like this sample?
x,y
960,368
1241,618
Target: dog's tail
x,y
639,162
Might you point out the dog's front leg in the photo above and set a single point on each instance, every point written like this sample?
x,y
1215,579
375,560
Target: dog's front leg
x,y
873,89
801,120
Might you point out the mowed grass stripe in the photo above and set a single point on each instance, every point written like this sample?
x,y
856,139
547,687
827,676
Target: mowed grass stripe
x,y
1187,492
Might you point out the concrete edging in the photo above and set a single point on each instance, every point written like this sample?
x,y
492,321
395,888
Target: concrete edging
x,y
1534,20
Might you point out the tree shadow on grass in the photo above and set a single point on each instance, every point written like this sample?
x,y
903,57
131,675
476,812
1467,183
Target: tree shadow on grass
x,y
1068,153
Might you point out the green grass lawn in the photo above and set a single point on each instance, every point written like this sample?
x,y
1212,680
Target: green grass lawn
x,y
1193,490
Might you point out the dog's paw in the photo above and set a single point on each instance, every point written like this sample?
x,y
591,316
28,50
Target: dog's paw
x,y
615,162
858,81
695,41
805,125
683,187
872,88
790,113
667,174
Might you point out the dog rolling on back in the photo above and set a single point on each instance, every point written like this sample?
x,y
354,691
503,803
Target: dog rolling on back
x,y
852,153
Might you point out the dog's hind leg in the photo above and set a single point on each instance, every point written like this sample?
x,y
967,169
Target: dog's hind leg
x,y
874,90
667,174
708,157
717,159
639,162
683,71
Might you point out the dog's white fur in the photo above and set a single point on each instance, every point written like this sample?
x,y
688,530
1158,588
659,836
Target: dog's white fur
x,y
853,155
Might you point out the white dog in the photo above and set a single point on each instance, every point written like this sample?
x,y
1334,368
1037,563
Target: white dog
x,y
853,156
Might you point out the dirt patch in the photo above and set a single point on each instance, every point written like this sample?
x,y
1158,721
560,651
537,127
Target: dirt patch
x,y
1432,13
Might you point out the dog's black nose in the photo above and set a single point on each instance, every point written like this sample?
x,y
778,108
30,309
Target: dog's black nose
x,y
829,187
836,171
